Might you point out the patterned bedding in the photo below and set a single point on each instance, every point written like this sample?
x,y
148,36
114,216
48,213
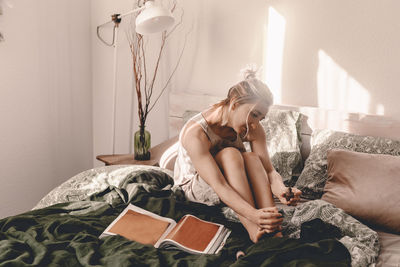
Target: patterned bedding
x,y
360,241
87,183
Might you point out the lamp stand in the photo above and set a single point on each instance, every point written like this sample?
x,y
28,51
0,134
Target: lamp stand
x,y
116,19
114,89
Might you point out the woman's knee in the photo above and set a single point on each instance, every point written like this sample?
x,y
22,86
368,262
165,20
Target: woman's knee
x,y
250,156
231,155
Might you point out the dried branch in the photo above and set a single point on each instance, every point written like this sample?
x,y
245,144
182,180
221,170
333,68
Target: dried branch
x,y
176,25
155,71
172,74
143,87
144,70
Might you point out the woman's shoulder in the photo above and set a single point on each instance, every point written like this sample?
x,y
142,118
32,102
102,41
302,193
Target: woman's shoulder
x,y
192,132
192,129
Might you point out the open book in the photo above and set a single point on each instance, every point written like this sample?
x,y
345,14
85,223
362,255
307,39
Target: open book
x,y
190,234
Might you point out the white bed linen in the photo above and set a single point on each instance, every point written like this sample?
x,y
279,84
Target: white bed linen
x,y
389,255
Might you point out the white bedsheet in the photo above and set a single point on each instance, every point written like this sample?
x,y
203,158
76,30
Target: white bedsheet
x,y
389,255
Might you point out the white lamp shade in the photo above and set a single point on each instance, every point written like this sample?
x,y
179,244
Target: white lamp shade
x,y
154,18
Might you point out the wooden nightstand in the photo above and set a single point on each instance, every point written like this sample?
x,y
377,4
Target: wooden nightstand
x,y
155,155
121,159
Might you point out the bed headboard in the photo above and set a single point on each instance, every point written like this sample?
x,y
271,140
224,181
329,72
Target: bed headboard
x,y
315,118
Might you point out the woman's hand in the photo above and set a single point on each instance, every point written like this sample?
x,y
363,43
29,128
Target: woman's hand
x,y
285,195
289,196
268,219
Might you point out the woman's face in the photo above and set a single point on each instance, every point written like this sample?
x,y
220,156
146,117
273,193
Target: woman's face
x,y
247,115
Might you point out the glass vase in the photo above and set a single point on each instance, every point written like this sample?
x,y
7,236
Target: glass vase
x,y
142,142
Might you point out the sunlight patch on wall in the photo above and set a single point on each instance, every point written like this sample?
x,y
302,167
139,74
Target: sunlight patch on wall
x,y
273,53
337,89
380,109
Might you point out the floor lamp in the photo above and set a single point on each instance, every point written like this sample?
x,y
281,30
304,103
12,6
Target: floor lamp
x,y
153,18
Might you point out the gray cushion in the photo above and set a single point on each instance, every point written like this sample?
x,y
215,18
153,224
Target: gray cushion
x,y
282,128
188,114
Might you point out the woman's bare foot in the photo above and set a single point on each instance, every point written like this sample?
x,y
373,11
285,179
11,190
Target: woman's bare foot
x,y
255,232
239,254
278,234
256,235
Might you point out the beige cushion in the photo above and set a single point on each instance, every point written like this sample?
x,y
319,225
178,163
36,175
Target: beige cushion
x,y
314,175
367,186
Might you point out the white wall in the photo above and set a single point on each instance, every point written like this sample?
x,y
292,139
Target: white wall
x,y
45,99
342,50
333,54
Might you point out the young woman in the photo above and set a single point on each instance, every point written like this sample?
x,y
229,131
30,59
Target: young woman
x,y
212,164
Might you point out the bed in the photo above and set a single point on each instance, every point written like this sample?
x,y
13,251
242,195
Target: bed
x,y
63,228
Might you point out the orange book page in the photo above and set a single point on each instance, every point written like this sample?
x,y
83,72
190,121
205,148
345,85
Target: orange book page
x,y
139,227
193,233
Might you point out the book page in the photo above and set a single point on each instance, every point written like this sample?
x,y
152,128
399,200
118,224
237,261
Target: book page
x,y
135,226
219,241
194,233
140,225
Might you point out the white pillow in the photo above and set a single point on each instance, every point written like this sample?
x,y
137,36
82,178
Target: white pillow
x,y
167,159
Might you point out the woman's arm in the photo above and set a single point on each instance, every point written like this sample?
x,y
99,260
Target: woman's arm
x,y
258,145
197,145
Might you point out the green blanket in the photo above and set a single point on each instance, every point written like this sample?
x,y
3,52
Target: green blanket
x,y
66,234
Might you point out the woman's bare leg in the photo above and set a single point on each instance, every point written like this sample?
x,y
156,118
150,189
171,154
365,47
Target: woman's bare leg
x,y
259,181
231,162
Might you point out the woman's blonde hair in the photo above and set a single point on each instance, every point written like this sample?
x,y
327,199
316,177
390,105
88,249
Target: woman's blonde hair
x,y
249,90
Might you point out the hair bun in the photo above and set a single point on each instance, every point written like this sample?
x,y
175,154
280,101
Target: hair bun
x,y
249,72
